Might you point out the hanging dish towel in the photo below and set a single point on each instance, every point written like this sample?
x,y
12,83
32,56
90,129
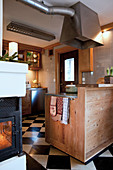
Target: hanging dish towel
x,y
53,106
65,116
59,105
59,109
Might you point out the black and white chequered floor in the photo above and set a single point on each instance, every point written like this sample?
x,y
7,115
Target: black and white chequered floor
x,y
40,155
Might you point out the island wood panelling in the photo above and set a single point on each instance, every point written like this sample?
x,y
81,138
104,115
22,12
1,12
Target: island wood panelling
x,y
91,124
69,138
98,119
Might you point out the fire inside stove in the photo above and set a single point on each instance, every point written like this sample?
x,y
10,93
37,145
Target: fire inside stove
x,y
5,134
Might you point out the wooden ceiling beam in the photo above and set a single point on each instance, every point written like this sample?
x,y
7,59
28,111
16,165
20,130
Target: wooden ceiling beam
x,y
107,27
52,45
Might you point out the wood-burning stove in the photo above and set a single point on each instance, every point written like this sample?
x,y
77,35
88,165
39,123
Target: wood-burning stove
x,y
10,127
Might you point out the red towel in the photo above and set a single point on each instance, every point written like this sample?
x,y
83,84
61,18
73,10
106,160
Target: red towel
x,y
59,105
53,105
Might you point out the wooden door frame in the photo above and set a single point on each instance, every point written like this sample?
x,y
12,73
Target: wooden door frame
x,y
57,64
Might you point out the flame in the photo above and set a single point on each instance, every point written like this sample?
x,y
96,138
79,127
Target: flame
x,y
5,135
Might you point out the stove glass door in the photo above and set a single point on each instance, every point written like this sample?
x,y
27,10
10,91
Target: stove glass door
x,y
6,133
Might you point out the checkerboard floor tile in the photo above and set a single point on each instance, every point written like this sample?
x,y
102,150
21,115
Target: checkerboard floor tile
x,y
40,155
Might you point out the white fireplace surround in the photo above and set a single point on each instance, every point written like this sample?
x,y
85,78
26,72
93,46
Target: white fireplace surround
x,y
12,84
12,79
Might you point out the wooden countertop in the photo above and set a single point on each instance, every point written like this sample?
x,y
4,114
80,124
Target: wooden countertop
x,y
94,85
69,95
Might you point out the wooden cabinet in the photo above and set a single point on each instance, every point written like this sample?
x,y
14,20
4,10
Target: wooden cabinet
x,y
34,59
85,62
26,103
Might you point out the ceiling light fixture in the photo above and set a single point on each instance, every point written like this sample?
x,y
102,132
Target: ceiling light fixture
x,y
30,31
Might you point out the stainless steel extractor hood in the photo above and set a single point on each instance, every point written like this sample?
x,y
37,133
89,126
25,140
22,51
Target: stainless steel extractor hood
x,y
81,28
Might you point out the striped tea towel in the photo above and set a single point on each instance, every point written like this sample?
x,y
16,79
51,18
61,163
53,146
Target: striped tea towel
x,y
65,116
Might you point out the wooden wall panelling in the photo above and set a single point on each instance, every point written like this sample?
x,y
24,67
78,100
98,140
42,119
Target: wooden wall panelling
x,y
80,123
22,46
25,55
99,119
47,118
52,45
90,129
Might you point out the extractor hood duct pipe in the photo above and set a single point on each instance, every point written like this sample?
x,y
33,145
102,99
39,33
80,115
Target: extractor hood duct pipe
x,y
49,10
81,28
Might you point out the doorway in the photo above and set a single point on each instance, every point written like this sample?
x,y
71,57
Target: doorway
x,y
68,69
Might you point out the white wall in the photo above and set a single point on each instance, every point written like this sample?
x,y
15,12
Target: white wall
x,y
31,76
103,58
46,75
1,25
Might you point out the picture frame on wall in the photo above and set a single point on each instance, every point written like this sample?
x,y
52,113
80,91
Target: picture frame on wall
x,y
21,56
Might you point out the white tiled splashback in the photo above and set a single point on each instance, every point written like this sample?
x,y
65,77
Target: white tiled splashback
x,y
102,59
47,74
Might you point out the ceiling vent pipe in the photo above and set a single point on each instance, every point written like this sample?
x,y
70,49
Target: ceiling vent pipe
x,y
48,9
81,28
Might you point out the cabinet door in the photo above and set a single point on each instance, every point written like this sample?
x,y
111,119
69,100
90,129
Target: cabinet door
x,y
26,103
86,60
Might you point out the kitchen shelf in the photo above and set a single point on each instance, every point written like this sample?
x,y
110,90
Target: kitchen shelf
x,y
34,58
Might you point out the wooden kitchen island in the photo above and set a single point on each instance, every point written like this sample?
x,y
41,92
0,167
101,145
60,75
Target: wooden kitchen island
x,y
90,129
